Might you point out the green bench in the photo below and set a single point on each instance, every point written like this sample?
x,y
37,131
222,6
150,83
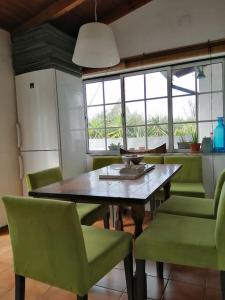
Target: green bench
x,y
187,182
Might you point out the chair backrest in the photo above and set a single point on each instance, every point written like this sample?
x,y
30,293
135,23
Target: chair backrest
x,y
191,171
220,230
219,185
152,159
47,242
103,161
42,178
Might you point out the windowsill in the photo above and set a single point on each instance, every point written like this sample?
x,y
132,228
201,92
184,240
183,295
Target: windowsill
x,y
176,151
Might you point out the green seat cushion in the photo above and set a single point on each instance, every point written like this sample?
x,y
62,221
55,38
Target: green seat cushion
x,y
104,250
180,240
187,189
153,159
90,213
191,170
102,161
188,206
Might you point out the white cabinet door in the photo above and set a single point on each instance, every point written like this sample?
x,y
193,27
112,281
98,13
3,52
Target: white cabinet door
x,y
72,124
37,110
36,161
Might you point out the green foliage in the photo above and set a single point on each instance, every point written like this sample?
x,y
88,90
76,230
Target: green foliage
x,y
154,129
194,136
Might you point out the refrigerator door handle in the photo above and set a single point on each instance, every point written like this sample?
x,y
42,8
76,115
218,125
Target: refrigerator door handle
x,y
21,169
19,140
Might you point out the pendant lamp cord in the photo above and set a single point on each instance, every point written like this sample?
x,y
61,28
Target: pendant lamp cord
x,y
96,17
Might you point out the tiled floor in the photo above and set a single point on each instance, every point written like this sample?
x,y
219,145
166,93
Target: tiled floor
x,y
179,283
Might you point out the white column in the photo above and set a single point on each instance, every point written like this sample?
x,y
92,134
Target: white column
x,y
9,171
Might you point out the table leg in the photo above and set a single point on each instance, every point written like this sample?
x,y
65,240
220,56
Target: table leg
x,y
119,218
167,190
137,213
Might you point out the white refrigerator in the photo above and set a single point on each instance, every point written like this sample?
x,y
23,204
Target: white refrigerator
x,y
51,126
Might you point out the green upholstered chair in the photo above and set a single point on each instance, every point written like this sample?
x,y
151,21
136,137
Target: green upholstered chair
x,y
88,213
50,245
192,206
196,242
103,161
188,181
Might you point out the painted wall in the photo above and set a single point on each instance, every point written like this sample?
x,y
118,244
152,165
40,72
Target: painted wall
x,y
163,24
9,172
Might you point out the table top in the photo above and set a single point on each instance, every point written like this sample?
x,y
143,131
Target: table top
x,y
88,188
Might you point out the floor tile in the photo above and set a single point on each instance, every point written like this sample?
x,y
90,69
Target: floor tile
x,y
150,269
114,280
57,294
99,293
189,274
155,287
213,294
176,290
213,279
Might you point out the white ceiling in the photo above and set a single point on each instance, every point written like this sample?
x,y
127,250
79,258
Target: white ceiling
x,y
167,24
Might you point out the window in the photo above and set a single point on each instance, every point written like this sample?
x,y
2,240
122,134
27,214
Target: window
x,y
146,109
104,114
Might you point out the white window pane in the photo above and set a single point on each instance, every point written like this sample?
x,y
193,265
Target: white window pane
x,y
183,81
157,135
135,113
157,111
112,90
134,87
204,129
113,115
96,139
213,77
136,137
184,109
95,117
94,93
210,106
183,133
156,84
114,139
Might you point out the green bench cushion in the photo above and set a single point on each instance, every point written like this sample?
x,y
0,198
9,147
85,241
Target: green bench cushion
x,y
153,159
189,206
187,189
180,240
102,161
191,170
104,249
90,213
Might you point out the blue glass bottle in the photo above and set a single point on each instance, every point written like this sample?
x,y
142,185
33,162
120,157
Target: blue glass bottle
x,y
219,136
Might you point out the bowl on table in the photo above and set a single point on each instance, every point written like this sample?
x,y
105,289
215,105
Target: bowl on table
x,y
135,159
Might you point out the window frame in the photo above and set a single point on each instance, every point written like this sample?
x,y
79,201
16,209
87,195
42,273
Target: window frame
x,y
169,69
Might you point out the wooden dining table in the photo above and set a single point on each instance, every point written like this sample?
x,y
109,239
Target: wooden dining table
x,y
88,188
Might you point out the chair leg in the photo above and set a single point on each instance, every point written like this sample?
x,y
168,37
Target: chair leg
x,y
222,283
140,280
128,266
106,220
19,287
85,297
159,268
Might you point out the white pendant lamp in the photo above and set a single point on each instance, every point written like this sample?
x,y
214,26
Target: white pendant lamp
x,y
96,46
